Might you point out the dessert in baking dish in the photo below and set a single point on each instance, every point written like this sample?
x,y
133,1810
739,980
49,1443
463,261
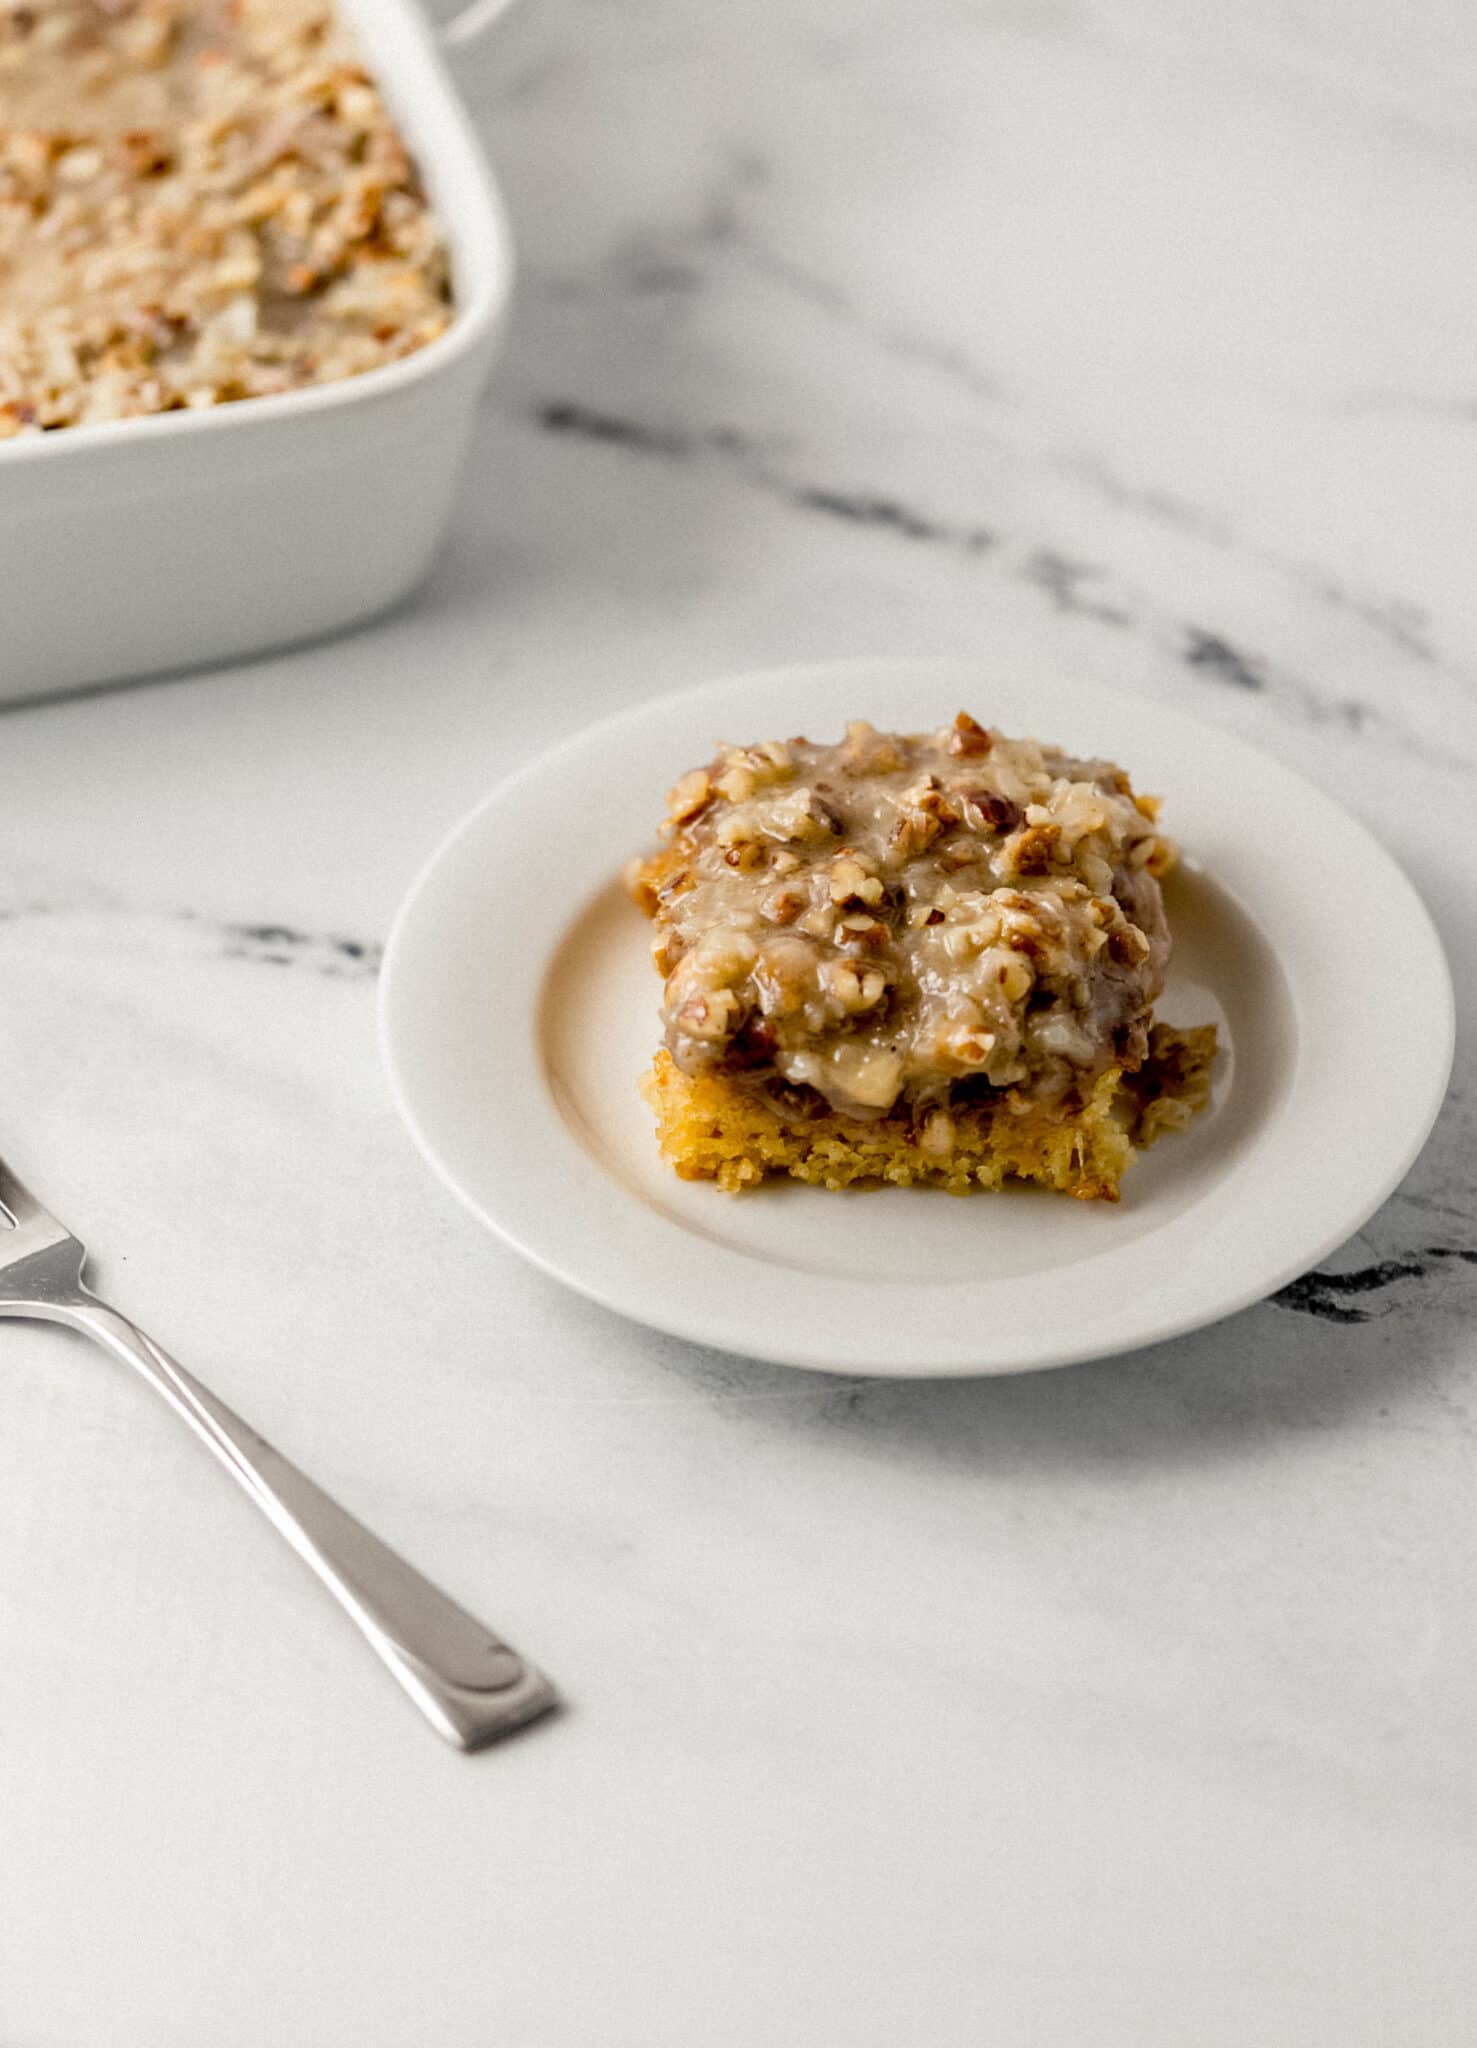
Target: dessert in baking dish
x,y
200,201
914,957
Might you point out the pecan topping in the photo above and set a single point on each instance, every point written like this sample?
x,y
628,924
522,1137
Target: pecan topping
x,y
880,922
176,173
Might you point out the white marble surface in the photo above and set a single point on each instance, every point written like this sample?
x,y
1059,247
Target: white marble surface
x,y
1128,1705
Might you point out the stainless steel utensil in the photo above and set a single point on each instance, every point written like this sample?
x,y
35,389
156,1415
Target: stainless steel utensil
x,y
468,1683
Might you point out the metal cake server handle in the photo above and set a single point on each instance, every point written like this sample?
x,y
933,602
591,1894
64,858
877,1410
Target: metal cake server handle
x,y
471,1686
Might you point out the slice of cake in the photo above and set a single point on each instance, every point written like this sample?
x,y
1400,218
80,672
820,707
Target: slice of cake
x,y
914,957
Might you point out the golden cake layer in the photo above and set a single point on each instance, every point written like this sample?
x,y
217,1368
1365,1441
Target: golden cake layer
x,y
711,1129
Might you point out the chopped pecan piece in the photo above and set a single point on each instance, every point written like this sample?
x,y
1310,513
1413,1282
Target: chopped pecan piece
x,y
783,906
711,1016
968,737
1128,945
858,929
923,813
987,811
851,882
1030,852
689,797
866,751
640,887
855,987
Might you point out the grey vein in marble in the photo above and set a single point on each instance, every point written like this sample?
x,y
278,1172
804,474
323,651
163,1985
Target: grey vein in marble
x,y
278,945
1346,1297
331,954
1065,582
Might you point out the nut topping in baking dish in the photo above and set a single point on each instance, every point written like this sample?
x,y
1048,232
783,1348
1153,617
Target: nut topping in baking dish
x,y
200,201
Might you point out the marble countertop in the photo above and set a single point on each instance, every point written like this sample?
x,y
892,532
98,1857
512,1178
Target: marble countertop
x,y
1132,1704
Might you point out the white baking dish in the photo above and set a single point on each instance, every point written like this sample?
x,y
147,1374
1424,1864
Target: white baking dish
x,y
164,543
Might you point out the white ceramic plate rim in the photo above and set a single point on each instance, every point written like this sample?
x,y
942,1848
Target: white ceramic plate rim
x,y
1369,1075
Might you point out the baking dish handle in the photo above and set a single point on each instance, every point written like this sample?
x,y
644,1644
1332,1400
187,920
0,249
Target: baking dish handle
x,y
471,22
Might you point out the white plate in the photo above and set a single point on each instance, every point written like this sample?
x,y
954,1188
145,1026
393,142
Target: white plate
x,y
519,1010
